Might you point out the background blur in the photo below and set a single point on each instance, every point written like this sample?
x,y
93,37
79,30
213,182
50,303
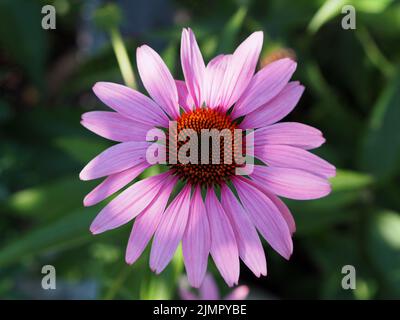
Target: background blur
x,y
352,82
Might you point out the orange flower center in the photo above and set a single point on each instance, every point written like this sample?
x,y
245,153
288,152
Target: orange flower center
x,y
219,164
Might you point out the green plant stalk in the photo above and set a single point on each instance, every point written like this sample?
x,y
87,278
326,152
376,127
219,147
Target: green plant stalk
x,y
122,57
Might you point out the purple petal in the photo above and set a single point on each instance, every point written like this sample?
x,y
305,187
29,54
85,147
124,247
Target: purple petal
x,y
224,249
209,289
289,133
113,183
130,103
292,157
170,231
276,109
115,159
113,126
196,241
240,69
249,244
266,217
265,85
193,66
147,222
239,293
157,80
291,183
185,100
128,204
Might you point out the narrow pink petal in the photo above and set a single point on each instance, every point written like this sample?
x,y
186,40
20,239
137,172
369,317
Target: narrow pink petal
x,y
196,240
239,293
292,157
193,66
264,86
113,126
291,183
289,133
147,222
115,159
249,244
130,103
209,289
157,80
283,209
224,249
113,183
214,80
265,215
276,109
185,99
170,231
128,204
240,69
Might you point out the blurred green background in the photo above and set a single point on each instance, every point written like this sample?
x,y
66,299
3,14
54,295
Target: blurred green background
x,y
352,80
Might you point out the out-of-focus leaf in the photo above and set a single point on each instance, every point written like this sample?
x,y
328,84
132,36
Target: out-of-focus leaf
x,y
107,17
312,216
331,8
380,154
383,247
22,36
231,31
327,11
68,230
81,149
46,202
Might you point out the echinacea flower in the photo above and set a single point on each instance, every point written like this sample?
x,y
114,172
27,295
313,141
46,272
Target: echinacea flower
x,y
209,291
224,94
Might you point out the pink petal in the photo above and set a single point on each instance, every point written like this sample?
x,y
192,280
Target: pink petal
x,y
281,206
113,183
215,73
265,85
291,183
266,217
186,294
239,293
209,289
224,249
170,231
289,133
240,69
147,222
128,204
193,66
196,240
249,244
113,126
130,103
185,100
276,109
115,159
292,157
157,80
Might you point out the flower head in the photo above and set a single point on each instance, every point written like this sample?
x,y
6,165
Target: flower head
x,y
224,97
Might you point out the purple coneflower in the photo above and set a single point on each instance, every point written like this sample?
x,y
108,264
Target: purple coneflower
x,y
209,291
224,94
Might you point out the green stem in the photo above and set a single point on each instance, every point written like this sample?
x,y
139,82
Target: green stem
x,y
122,57
119,281
374,54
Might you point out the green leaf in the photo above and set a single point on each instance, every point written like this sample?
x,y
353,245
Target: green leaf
x,y
380,154
384,249
326,12
231,30
67,231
